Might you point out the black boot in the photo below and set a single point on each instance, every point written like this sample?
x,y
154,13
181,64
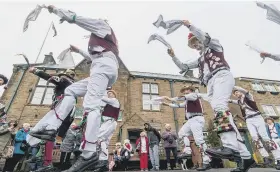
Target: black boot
x,y
278,165
266,161
223,153
101,166
83,164
204,167
44,134
247,164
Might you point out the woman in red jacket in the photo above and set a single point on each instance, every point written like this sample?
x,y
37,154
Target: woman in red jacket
x,y
143,149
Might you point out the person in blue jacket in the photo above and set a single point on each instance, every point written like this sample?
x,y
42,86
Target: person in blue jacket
x,y
20,138
273,130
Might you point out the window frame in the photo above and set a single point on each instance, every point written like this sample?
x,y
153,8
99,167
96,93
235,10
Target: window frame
x,y
269,85
150,94
268,114
46,87
258,83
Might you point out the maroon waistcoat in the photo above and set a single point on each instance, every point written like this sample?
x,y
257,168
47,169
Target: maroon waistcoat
x,y
213,59
109,43
111,111
252,106
193,107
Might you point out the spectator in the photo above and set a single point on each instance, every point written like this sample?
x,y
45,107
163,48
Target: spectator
x,y
20,141
273,130
117,156
153,139
126,152
69,144
142,147
7,134
170,144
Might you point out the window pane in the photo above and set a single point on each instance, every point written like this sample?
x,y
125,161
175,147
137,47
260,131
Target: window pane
x,y
146,88
278,87
278,109
154,88
78,113
48,96
268,110
146,102
37,96
42,82
155,105
269,87
257,86
196,90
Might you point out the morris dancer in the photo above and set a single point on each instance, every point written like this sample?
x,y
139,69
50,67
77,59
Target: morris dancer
x,y
194,125
61,81
215,74
272,56
108,126
255,124
103,52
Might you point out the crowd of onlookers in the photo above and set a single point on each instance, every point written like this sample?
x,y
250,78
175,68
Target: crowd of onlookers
x,y
14,147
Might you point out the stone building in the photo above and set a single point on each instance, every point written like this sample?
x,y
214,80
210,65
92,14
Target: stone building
x,y
27,97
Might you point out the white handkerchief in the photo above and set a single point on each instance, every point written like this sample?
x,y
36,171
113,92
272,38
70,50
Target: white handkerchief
x,y
273,14
159,38
32,16
170,25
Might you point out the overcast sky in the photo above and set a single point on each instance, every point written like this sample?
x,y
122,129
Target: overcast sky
x,y
233,23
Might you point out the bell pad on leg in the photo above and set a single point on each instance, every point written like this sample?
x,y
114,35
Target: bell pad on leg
x,y
222,122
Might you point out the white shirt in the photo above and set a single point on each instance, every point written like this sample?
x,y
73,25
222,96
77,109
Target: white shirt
x,y
143,145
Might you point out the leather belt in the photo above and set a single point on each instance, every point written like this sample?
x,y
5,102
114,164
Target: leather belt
x,y
194,116
251,116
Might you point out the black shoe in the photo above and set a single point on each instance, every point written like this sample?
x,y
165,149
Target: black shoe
x,y
266,161
83,164
204,167
48,168
278,165
45,132
101,166
239,166
43,137
223,153
247,164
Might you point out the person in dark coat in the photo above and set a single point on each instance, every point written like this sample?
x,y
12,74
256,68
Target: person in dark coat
x,y
61,82
7,134
70,143
170,144
153,139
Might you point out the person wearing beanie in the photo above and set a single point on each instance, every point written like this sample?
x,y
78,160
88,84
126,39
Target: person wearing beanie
x,y
255,124
194,125
214,72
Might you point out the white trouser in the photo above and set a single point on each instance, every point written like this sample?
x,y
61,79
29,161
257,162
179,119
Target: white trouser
x,y
256,127
50,120
106,132
194,127
219,89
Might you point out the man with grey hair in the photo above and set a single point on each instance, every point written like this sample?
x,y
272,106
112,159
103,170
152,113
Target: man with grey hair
x,y
215,74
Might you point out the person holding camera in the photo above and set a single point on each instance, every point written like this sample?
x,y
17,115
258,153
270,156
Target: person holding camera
x,y
170,144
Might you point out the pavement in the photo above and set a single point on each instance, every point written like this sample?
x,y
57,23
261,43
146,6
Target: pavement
x,y
228,170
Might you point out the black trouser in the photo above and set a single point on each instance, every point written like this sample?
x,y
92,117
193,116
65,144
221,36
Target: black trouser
x,y
125,164
65,160
12,162
62,130
174,152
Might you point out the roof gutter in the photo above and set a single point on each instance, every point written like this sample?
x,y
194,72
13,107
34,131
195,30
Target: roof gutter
x,y
23,69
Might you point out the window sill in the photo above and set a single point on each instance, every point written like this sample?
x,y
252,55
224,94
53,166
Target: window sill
x,y
151,110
